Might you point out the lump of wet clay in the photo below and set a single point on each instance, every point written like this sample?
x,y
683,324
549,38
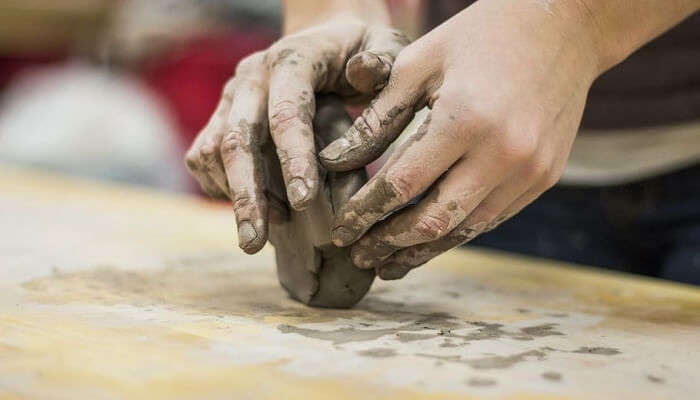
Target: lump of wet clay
x,y
309,267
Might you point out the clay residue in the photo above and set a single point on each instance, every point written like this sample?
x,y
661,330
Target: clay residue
x,y
488,331
538,331
491,362
448,343
378,353
481,382
190,286
500,362
655,379
603,351
552,376
403,332
337,336
282,57
427,327
207,285
412,337
357,215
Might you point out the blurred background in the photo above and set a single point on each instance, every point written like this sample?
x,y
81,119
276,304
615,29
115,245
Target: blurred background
x,y
117,89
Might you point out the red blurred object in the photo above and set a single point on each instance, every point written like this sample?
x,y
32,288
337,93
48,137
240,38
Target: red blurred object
x,y
190,80
11,66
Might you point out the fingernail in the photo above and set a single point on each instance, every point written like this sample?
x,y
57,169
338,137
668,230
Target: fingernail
x,y
335,150
377,64
246,234
297,191
392,272
341,236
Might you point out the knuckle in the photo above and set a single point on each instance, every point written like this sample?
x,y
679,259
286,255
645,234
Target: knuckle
x,y
232,142
551,178
432,226
284,115
479,121
399,37
208,152
242,202
286,52
483,216
367,126
192,159
249,64
229,87
406,61
519,147
298,159
535,169
401,187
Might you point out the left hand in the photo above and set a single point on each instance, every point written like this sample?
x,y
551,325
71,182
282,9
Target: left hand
x,y
506,84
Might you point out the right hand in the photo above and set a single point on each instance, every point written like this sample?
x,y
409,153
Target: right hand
x,y
276,88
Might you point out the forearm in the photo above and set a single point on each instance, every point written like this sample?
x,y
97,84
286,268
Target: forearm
x,y
619,27
299,14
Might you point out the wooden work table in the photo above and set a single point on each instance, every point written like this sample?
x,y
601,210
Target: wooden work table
x,y
110,292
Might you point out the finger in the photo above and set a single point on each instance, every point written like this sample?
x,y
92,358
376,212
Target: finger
x,y
212,165
377,126
449,202
368,71
203,158
403,261
242,158
525,199
488,215
205,183
495,208
291,109
402,178
492,211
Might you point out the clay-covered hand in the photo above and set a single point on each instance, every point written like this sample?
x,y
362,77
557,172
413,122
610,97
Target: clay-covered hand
x,y
506,83
276,88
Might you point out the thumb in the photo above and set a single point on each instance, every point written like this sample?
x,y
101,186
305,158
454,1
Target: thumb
x,y
368,70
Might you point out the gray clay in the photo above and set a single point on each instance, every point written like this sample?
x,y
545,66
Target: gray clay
x,y
309,266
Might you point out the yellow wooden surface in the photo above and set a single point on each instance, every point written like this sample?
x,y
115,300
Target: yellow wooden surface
x,y
117,292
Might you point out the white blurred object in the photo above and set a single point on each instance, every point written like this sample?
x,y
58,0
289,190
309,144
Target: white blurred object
x,y
86,121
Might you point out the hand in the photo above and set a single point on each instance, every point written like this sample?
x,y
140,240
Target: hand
x,y
276,88
506,84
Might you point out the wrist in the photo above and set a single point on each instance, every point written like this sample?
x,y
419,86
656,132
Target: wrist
x,y
301,14
588,32
617,28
